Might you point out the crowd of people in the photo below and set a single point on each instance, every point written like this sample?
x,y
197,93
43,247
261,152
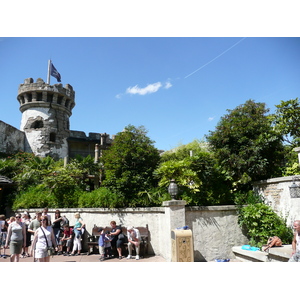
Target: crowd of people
x,y
40,237
39,234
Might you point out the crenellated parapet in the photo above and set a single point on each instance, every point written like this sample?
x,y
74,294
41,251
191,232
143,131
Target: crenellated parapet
x,y
41,94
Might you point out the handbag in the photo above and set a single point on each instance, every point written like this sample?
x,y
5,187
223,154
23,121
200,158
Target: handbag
x,y
50,250
123,237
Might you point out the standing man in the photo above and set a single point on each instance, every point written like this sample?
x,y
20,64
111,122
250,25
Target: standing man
x,y
45,213
134,238
35,223
296,243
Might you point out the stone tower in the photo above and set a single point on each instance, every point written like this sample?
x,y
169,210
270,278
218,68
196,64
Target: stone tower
x,y
46,110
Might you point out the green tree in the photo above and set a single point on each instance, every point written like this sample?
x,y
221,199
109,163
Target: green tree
x,y
129,163
286,121
246,146
195,170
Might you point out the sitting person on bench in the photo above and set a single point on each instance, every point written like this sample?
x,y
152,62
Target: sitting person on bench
x,y
134,238
117,241
66,239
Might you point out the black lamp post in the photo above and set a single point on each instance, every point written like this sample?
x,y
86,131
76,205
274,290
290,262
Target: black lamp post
x,y
294,189
173,189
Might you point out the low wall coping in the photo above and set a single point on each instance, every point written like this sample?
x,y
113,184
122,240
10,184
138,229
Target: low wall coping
x,y
99,210
273,254
159,209
212,208
275,180
247,255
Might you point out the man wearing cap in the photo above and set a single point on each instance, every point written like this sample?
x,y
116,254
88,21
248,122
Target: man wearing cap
x,y
134,238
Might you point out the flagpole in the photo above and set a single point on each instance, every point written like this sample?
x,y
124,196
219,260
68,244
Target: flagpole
x,y
48,76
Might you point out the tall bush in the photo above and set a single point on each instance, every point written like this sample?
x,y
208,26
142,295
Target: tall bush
x,y
260,222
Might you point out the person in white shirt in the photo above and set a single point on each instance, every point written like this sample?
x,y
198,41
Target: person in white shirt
x,y
43,238
134,238
296,243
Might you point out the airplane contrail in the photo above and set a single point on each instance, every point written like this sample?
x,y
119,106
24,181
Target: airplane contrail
x,y
214,58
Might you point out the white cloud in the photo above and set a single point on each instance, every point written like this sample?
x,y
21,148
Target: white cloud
x,y
149,89
211,119
168,85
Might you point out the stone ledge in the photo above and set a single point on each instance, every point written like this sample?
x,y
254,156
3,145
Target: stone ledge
x,y
249,256
282,254
276,254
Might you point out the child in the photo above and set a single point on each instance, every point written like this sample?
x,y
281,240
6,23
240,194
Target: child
x,y
3,234
66,240
101,243
107,240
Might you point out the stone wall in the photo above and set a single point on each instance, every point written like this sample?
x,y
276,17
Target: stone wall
x,y
276,193
11,139
215,229
80,144
52,122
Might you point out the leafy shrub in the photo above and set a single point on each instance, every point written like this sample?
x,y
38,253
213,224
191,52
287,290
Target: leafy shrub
x,y
292,170
246,198
41,196
34,197
154,197
261,222
102,197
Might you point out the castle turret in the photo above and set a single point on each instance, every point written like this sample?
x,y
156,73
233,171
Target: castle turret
x,y
46,110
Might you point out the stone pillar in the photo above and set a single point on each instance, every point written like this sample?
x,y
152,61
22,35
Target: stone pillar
x,y
44,96
34,96
96,153
63,102
54,98
66,160
174,218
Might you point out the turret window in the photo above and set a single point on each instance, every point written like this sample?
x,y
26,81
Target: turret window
x,y
49,97
52,137
59,99
37,124
39,96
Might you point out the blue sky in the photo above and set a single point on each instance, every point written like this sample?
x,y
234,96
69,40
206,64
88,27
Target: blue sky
x,y
178,88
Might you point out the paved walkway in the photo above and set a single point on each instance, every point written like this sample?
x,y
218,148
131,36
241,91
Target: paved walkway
x,y
87,258
95,258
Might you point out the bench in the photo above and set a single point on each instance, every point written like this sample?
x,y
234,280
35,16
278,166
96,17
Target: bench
x,y
93,239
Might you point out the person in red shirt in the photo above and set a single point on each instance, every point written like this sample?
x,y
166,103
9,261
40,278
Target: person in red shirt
x,y
66,240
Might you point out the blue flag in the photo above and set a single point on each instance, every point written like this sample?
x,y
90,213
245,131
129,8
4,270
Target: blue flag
x,y
54,73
